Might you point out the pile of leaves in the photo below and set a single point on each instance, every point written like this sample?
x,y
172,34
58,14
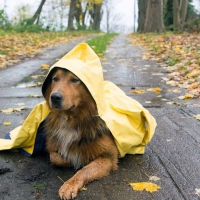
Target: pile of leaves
x,y
179,53
19,46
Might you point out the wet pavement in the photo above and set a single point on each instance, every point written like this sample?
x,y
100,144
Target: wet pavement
x,y
172,155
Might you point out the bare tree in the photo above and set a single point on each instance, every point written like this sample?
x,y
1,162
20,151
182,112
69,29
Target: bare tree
x,y
36,16
179,14
110,22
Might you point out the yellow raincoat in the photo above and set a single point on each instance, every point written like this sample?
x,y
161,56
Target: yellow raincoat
x,y
130,123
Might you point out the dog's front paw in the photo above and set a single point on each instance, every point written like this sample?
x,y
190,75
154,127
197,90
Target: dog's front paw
x,y
69,189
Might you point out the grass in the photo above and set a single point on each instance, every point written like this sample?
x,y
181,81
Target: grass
x,y
99,44
39,186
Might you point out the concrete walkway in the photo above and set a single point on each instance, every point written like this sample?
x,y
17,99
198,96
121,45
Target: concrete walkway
x,y
173,154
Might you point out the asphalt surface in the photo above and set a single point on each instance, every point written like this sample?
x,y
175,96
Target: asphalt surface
x,y
172,155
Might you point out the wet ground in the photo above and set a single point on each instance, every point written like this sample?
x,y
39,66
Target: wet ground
x,y
172,155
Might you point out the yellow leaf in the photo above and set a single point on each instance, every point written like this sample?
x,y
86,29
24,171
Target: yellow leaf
x,y
19,109
138,91
104,59
7,111
197,117
148,186
186,96
45,66
35,95
189,96
83,189
7,123
155,89
10,110
32,85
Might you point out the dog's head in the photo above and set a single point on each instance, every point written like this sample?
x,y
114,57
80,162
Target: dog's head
x,y
65,91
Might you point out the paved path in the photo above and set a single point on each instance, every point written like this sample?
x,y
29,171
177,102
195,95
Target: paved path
x,y
173,154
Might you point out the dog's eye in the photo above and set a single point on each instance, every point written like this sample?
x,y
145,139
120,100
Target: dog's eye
x,y
55,79
74,80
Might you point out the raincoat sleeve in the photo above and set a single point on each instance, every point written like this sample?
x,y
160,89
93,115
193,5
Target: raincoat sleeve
x,y
24,136
130,123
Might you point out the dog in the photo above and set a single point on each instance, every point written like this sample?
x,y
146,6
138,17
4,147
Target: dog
x,y
75,135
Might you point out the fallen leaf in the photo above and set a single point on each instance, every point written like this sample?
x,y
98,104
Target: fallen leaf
x,y
170,102
189,96
35,95
197,116
174,90
83,189
164,78
156,90
148,186
186,96
32,85
169,140
172,83
154,178
164,99
19,109
103,58
45,66
138,91
7,111
10,110
197,192
7,123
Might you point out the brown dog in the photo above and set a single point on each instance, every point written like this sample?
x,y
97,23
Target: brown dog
x,y
76,135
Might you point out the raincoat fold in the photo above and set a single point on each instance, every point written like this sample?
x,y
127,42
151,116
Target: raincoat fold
x,y
130,123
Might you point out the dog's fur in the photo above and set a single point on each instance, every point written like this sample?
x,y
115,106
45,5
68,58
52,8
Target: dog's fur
x,y
76,135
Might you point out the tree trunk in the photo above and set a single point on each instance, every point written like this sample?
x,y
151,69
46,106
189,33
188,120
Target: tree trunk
x,y
154,17
142,5
97,17
37,13
71,14
179,14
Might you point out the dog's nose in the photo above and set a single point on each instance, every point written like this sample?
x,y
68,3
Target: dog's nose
x,y
56,98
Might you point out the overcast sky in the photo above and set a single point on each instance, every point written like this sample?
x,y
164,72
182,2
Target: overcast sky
x,y
124,10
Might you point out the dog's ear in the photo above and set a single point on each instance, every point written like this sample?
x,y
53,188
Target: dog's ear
x,y
48,81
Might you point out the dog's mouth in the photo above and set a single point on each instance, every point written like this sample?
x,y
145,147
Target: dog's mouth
x,y
59,107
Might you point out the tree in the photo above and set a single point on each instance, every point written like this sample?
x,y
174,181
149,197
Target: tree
x,y
36,16
151,16
179,14
71,14
81,10
96,16
110,19
142,5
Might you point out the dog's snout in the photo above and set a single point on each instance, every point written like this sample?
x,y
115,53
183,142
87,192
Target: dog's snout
x,y
56,97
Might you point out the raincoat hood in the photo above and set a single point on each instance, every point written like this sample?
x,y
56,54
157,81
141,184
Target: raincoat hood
x,y
130,123
85,64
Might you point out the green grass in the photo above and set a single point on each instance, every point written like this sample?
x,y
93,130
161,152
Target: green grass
x,y
100,43
39,186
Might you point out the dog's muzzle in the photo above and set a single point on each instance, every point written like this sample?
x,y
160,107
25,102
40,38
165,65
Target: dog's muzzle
x,y
56,100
